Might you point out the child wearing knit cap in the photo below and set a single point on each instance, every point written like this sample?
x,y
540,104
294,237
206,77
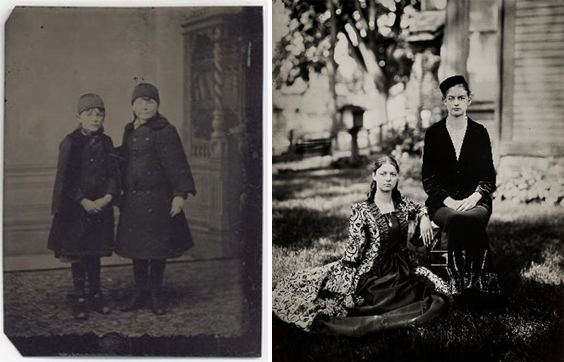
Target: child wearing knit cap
x,y
156,180
83,220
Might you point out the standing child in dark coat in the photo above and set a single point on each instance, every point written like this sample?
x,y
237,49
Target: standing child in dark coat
x,y
83,222
156,180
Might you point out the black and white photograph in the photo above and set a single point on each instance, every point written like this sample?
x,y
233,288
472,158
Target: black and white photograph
x,y
417,180
133,181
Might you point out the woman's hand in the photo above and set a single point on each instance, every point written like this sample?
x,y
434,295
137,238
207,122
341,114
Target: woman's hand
x,y
469,202
177,205
426,230
452,203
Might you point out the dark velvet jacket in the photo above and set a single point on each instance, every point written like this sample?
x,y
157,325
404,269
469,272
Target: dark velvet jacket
x,y
444,175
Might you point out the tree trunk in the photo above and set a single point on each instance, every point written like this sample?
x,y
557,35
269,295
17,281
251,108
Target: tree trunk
x,y
332,76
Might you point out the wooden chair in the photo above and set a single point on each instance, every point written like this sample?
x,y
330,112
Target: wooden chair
x,y
438,255
435,256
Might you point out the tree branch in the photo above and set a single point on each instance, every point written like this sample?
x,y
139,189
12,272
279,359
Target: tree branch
x,y
369,59
362,20
355,52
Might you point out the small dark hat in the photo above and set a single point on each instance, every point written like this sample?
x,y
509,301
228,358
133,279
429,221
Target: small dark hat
x,y
451,82
145,90
88,101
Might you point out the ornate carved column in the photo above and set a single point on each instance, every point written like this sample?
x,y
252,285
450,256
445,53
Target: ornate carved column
x,y
219,216
214,109
217,121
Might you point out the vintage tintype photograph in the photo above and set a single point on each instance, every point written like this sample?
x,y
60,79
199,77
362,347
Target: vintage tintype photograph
x,y
133,181
418,167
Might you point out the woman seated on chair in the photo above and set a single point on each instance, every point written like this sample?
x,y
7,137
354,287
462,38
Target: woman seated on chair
x,y
374,286
459,178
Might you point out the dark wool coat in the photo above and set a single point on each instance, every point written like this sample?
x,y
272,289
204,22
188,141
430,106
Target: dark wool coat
x,y
443,175
155,169
86,168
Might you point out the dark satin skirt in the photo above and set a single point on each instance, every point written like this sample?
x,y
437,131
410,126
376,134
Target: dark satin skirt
x,y
392,296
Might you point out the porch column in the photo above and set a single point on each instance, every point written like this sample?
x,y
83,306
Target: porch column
x,y
214,122
219,146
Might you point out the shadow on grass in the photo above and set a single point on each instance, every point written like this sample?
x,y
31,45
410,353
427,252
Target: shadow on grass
x,y
286,185
407,344
300,227
518,243
518,331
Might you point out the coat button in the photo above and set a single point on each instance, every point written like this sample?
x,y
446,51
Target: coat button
x,y
134,192
147,138
135,140
150,211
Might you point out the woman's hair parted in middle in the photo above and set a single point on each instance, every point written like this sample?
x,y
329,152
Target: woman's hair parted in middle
x,y
380,161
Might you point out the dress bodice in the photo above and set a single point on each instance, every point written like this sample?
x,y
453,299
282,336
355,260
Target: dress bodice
x,y
394,240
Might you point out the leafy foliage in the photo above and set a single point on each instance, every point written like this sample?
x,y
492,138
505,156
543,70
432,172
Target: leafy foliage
x,y
375,31
409,138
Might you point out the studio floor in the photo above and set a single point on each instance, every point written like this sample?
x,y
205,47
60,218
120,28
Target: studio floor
x,y
208,313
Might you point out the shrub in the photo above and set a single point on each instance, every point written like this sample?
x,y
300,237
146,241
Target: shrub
x,y
409,139
410,164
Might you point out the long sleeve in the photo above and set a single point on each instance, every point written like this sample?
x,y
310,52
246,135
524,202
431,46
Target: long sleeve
x,y
69,170
64,151
341,278
113,188
357,239
79,194
431,182
173,159
121,155
487,182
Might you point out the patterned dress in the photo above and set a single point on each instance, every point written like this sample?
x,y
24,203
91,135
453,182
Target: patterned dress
x,y
373,287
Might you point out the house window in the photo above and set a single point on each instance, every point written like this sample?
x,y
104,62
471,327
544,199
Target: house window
x,y
483,53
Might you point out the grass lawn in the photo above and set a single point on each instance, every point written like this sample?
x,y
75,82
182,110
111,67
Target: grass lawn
x,y
310,223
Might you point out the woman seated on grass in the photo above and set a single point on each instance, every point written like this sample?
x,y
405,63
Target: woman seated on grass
x,y
374,286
